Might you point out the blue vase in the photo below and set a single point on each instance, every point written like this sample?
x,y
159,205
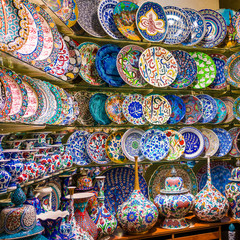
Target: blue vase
x,y
5,178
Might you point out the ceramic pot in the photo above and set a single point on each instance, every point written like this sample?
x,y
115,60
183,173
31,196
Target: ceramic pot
x,y
210,204
5,179
174,203
65,182
44,195
137,215
41,139
105,221
32,200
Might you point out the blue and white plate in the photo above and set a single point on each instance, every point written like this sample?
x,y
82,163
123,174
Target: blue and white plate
x,y
105,17
152,22
106,65
216,28
197,27
225,142
178,25
187,69
132,109
178,109
77,144
154,145
194,142
209,109
131,143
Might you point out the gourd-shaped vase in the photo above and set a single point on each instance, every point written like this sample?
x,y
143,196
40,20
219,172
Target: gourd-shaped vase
x,y
232,191
210,204
137,215
174,202
105,221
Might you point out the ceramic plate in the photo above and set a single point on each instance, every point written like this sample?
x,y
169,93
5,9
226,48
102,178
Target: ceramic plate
x,y
176,17
77,145
55,195
14,25
206,70
236,108
88,18
162,171
119,184
221,111
216,28
193,109
124,17
197,27
220,79
69,115
105,17
220,173
158,66
96,144
209,107
229,104
154,145
131,144
231,70
187,69
74,17
97,108
194,142
88,72
234,133
106,64
211,142
34,44
237,142
113,107
236,25
178,109
132,109
51,41
152,22
225,142
176,145
156,109
114,149
128,65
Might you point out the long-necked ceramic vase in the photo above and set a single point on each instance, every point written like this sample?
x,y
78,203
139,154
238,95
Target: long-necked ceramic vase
x,y
210,204
137,215
105,221
232,191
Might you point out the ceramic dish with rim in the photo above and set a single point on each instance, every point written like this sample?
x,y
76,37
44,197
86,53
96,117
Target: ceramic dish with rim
x,y
96,147
194,142
206,70
74,16
176,145
193,109
225,142
106,64
234,152
128,65
211,142
158,67
105,17
176,17
209,107
187,69
113,107
178,109
88,72
197,27
132,109
237,142
124,17
229,104
221,111
152,22
216,28
114,149
156,109
236,108
235,23
154,145
130,143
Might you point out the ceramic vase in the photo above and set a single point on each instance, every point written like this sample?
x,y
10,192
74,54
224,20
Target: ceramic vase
x,y
137,215
232,191
5,178
32,200
65,180
210,204
105,221
44,195
174,203
41,139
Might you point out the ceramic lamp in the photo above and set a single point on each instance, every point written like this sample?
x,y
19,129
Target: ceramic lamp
x,y
137,215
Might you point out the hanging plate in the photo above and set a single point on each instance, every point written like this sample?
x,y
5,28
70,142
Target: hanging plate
x,y
221,111
236,25
234,133
229,104
236,108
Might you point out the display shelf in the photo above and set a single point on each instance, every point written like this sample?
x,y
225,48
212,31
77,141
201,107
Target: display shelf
x,y
7,127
